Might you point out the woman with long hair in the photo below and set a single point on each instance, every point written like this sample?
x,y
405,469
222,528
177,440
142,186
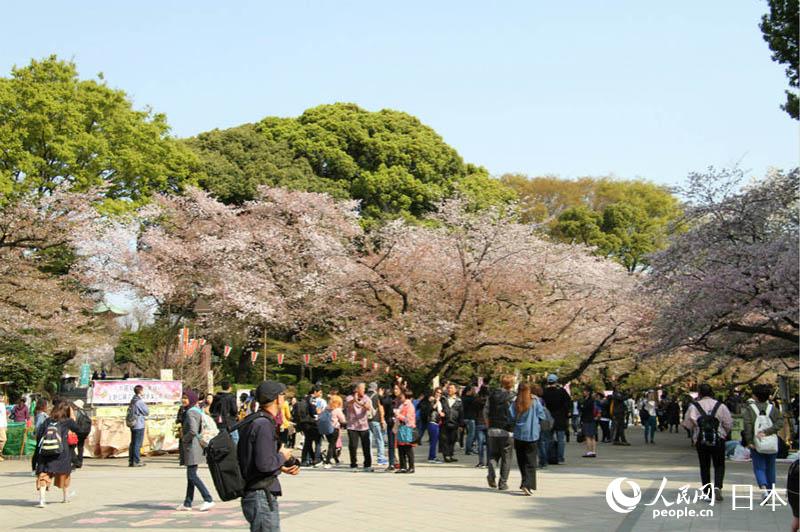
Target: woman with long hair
x,y
52,459
406,417
764,459
527,412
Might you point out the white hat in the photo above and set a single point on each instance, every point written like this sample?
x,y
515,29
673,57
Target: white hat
x,y
78,403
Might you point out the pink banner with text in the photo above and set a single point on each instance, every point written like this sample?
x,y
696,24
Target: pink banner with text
x,y
120,392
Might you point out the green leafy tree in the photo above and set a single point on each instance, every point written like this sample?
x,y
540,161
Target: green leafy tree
x,y
624,220
138,347
29,367
543,198
780,28
394,164
237,160
56,128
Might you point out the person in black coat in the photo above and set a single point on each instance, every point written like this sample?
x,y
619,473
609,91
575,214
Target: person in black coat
x,y
453,410
559,403
223,408
54,467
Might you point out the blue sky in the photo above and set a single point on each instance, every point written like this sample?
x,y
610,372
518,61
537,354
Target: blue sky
x,y
630,88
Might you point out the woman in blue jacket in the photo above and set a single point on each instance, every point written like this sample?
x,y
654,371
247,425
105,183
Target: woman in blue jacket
x,y
527,412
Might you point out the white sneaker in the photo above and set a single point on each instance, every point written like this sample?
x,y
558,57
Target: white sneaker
x,y
183,508
206,506
326,466
40,504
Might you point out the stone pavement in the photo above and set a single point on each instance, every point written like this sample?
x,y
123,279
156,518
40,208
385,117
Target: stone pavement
x,y
455,496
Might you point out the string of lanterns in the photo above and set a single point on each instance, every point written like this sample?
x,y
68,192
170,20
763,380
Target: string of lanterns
x,y
192,345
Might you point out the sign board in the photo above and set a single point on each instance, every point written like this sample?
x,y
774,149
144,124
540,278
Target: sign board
x,y
85,374
166,375
119,411
120,392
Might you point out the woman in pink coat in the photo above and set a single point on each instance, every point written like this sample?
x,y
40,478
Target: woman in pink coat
x,y
406,423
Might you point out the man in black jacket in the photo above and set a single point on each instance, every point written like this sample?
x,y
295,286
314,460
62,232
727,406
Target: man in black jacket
x,y
453,418
500,431
224,409
261,460
558,402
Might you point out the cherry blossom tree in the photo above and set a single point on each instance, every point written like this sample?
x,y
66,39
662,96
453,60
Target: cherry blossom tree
x,y
729,284
473,287
41,298
276,263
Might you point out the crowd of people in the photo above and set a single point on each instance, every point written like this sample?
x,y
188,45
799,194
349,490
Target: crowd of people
x,y
493,423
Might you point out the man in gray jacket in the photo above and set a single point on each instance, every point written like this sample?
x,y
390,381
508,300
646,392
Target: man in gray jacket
x,y
140,410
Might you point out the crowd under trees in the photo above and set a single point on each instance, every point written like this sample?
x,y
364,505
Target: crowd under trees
x,y
344,229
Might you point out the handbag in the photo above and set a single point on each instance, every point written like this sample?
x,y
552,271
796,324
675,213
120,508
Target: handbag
x,y
579,437
72,438
406,434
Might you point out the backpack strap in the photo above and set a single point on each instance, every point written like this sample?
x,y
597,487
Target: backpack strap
x,y
714,410
700,409
246,421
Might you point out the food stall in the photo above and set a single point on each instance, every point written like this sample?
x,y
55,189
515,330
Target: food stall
x,y
108,404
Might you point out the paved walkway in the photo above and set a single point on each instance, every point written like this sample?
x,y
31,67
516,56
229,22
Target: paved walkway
x,y
454,496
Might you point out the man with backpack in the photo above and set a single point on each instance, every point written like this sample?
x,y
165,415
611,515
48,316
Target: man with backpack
x,y
262,460
500,431
224,410
134,419
710,422
306,410
84,423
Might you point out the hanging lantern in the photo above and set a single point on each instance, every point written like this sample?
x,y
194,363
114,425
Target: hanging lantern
x,y
388,369
364,362
253,356
227,351
333,356
374,366
307,359
280,359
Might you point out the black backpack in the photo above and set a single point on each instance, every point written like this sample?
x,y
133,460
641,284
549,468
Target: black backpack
x,y
708,425
499,411
223,461
84,422
51,444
